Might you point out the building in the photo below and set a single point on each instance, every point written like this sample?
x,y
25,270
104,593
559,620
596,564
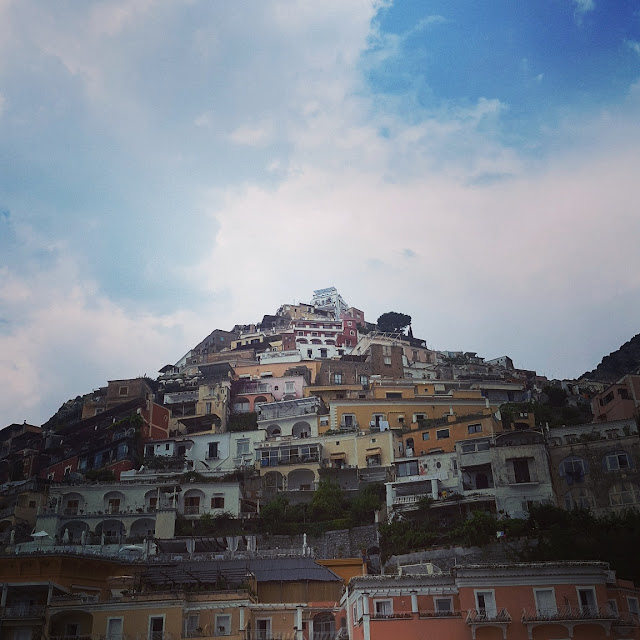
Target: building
x,y
533,601
618,401
596,466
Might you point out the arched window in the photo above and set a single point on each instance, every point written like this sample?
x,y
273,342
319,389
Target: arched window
x,y
616,461
579,498
573,469
624,493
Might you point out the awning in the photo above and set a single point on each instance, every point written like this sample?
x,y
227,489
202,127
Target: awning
x,y
374,451
341,455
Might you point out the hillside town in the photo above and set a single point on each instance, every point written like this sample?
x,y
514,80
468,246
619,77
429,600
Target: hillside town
x,y
264,486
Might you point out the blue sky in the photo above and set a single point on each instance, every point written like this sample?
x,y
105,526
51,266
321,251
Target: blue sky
x,y
167,168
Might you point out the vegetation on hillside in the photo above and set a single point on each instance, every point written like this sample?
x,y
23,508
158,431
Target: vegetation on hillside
x,y
618,363
393,322
554,534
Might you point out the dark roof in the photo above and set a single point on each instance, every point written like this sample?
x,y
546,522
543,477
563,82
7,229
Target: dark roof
x,y
264,569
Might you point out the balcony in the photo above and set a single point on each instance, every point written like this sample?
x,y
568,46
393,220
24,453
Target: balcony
x,y
391,616
569,614
427,613
524,478
352,425
480,616
22,612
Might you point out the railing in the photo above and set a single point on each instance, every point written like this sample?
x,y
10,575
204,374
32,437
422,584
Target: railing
x,y
480,616
391,616
569,613
353,426
191,511
531,478
79,636
24,611
432,613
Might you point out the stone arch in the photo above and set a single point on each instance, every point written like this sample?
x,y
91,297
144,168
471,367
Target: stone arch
x,y
301,429
274,430
324,626
142,528
114,502
114,531
301,480
193,502
72,503
75,527
274,480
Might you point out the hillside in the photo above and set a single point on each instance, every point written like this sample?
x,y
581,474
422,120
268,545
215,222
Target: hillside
x,y
619,363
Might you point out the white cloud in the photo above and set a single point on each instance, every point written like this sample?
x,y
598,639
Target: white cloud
x,y
633,45
253,136
584,6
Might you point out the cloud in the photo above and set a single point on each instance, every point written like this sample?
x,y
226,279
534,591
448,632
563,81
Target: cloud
x,y
60,336
584,6
257,135
633,45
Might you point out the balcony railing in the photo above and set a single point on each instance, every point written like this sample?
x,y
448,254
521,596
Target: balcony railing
x,y
23,611
530,478
191,510
569,613
427,613
481,616
391,616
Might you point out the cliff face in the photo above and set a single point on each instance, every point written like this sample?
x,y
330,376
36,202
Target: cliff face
x,y
624,360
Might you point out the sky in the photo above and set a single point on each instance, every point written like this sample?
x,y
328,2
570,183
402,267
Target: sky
x,y
171,167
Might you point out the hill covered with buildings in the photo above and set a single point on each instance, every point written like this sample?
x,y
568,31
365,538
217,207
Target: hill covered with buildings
x,y
276,462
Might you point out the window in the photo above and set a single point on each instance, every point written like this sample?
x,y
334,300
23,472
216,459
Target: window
x,y
443,605
425,435
223,625
613,606
623,493
587,599
207,408
383,608
632,603
545,602
387,360
579,498
617,461
364,380
521,473
167,446
405,469
337,378
191,625
352,333
213,453
441,434
156,627
114,629
113,505
573,469
474,428
289,387
192,505
123,391
72,507
409,443
417,417
263,629
217,502
486,603
243,447
393,395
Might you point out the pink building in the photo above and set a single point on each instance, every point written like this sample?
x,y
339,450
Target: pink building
x,y
534,601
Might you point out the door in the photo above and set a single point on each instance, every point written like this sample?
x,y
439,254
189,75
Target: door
x,y
156,628
486,603
587,598
263,628
545,603
114,629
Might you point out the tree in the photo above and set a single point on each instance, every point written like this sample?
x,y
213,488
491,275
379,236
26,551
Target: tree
x,y
392,321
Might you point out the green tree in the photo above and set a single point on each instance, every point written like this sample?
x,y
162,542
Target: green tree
x,y
328,502
392,321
